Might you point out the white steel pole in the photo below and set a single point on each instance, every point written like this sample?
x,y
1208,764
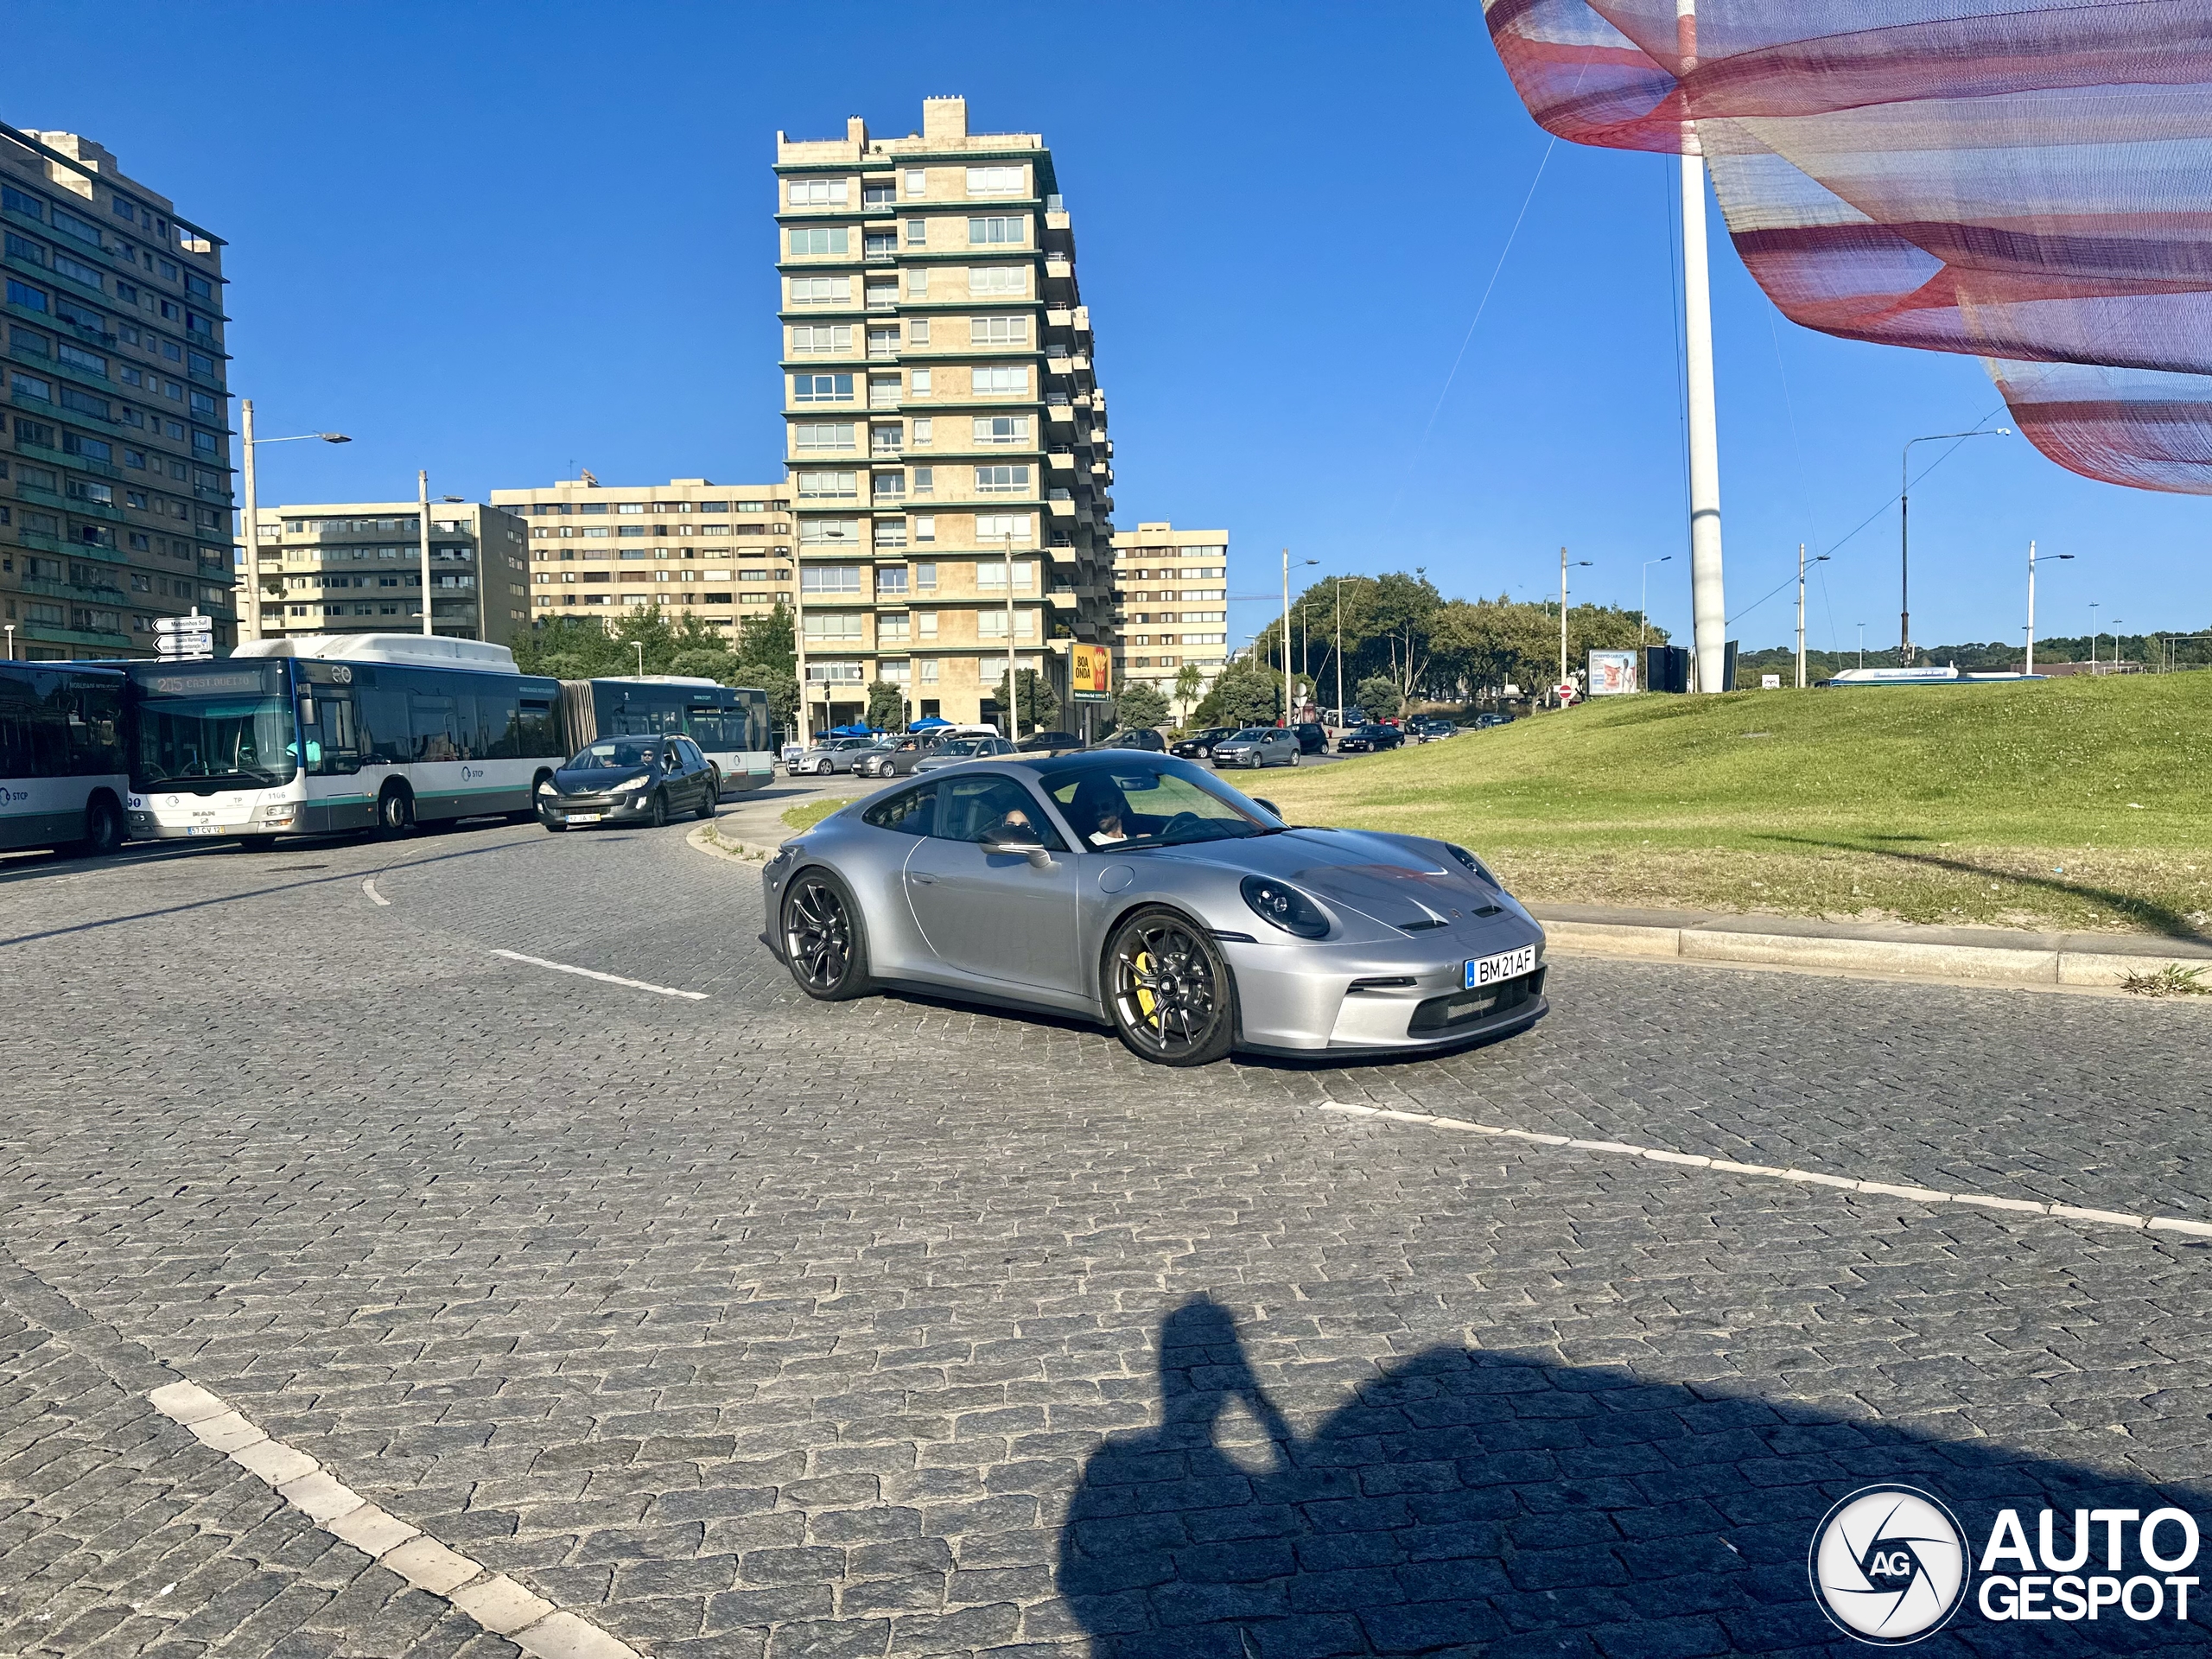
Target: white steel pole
x,y
1801,616
799,620
1707,601
250,618
1337,584
1563,616
1285,638
1013,685
422,528
2029,667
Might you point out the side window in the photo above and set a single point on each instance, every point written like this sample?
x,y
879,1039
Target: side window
x,y
973,807
911,811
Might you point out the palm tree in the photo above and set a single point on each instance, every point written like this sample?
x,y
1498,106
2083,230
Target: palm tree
x,y
1188,683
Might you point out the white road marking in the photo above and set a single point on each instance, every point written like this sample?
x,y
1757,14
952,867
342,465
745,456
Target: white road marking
x,y
369,887
610,979
497,1602
1877,1189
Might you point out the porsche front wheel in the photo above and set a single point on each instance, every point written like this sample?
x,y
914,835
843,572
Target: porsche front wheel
x,y
1169,990
825,942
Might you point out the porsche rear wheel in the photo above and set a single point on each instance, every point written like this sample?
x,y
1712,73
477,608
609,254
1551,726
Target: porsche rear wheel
x,y
1169,991
824,942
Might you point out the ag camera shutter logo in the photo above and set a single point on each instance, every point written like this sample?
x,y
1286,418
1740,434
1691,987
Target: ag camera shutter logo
x,y
1889,1565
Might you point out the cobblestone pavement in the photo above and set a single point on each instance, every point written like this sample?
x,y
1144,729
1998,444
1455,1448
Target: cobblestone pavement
x,y
746,1325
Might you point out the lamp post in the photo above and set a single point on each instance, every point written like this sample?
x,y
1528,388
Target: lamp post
x,y
1644,594
640,645
246,442
1822,559
423,543
1580,564
2116,624
1862,645
1904,519
1337,592
2093,605
2029,667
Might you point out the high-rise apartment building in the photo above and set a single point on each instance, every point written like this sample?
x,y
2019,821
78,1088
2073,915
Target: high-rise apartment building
x,y
115,471
356,567
1170,605
719,552
944,422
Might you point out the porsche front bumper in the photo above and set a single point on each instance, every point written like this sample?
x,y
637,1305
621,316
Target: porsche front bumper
x,y
1372,999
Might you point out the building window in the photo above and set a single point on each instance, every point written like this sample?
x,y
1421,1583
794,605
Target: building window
x,y
822,388
918,182
923,429
831,579
829,532
995,480
918,284
892,579
918,331
823,435
918,383
815,485
1000,379
917,232
818,193
998,331
833,628
819,238
821,337
822,290
1002,526
996,281
889,487
925,481
926,531
878,195
994,232
1002,429
994,182
991,573
924,624
883,342
891,628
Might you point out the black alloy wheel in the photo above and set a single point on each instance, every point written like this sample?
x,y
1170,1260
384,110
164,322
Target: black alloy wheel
x,y
824,943
1169,990
660,808
394,813
710,790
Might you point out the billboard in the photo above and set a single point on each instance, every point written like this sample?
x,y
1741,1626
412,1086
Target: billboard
x,y
1613,673
1090,673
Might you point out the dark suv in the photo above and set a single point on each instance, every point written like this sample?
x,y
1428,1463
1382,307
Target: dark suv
x,y
1312,739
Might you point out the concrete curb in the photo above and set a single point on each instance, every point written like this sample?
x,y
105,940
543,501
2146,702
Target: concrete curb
x,y
708,840
1993,964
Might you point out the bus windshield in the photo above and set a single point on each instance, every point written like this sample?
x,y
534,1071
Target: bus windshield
x,y
231,726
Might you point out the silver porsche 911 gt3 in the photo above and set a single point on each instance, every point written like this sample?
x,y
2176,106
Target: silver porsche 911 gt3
x,y
1140,891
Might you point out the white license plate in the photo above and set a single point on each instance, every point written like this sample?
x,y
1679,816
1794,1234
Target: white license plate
x,y
586,817
207,829
1507,964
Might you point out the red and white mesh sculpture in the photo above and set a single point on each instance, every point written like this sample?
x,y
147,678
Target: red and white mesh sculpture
x,y
2029,182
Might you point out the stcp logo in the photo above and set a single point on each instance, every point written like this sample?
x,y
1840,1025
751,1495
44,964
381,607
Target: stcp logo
x,y
1889,1565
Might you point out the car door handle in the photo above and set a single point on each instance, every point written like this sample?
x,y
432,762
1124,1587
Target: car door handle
x,y
920,880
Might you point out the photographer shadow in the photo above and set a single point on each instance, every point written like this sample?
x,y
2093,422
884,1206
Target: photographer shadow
x,y
1463,1502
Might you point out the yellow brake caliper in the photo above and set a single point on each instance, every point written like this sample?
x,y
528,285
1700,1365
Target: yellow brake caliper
x,y
1145,1000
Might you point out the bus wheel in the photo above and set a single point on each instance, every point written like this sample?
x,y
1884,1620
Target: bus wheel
x,y
394,813
103,828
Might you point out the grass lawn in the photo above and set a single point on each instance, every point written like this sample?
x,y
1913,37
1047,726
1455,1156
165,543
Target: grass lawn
x,y
807,814
2076,803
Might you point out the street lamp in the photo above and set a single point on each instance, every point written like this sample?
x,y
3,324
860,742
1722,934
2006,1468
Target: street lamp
x,y
247,442
2093,605
1904,515
1644,596
1583,564
1820,559
2029,667
1286,635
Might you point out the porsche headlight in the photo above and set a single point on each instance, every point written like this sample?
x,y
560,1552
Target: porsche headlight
x,y
1475,865
629,785
1285,906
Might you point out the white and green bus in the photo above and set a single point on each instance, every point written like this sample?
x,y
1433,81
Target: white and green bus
x,y
62,780
387,732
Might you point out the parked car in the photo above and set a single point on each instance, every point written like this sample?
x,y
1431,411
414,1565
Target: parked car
x,y
1369,738
1135,737
1198,746
1259,745
630,780
1144,894
894,759
1427,728
1312,738
1483,722
954,750
832,754
1048,742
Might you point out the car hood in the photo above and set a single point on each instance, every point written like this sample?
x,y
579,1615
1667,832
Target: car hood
x,y
594,780
1400,882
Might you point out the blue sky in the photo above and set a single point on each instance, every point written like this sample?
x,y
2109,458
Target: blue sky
x,y
504,241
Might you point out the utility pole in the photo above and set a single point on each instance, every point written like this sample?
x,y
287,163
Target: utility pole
x,y
422,528
1286,639
1013,684
1584,564
2029,667
1801,616
1708,603
1338,585
250,620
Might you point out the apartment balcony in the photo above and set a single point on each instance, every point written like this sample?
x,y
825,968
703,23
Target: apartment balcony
x,y
1058,412
880,256
1061,461
1059,362
1059,268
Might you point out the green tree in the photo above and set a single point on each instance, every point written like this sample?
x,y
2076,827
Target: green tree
x,y
887,706
1041,704
1248,693
1189,682
1139,704
1378,694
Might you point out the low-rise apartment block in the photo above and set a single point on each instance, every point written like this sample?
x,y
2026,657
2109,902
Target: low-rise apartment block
x,y
356,567
1170,605
719,552
943,418
115,449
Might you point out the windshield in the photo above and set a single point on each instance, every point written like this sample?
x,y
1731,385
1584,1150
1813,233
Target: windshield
x,y
1251,735
963,745
1157,806
610,751
233,727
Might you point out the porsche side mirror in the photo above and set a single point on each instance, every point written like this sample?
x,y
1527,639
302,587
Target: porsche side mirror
x,y
1000,839
1271,806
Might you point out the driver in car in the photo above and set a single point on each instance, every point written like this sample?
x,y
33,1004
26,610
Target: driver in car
x,y
1100,804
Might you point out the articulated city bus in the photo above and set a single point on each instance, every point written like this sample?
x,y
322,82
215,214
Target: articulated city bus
x,y
337,732
729,724
62,780
383,731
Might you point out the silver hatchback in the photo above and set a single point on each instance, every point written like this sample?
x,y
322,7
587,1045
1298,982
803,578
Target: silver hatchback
x,y
1258,746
